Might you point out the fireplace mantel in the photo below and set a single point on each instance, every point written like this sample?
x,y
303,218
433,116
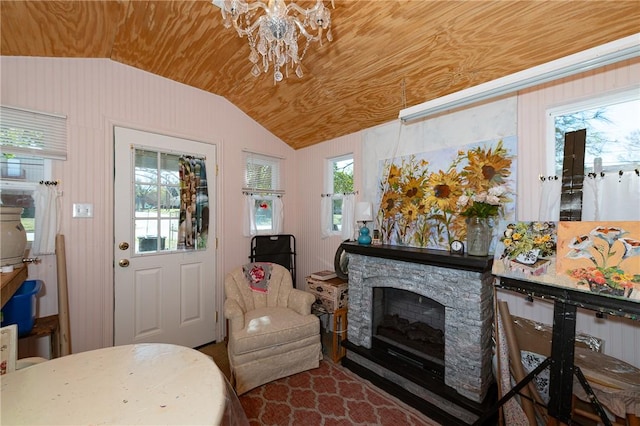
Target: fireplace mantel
x,y
421,255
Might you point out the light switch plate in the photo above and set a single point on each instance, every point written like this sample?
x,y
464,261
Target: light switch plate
x,y
82,210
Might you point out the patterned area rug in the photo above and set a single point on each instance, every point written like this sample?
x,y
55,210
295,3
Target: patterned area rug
x,y
328,395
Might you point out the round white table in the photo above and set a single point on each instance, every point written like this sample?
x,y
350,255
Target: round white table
x,y
133,384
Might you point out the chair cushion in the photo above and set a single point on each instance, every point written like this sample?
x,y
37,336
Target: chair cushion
x,y
268,327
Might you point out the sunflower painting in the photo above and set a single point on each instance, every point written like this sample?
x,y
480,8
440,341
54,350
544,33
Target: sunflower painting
x,y
420,195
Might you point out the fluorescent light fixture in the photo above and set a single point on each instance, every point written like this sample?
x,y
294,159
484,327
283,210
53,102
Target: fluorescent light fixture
x,y
609,53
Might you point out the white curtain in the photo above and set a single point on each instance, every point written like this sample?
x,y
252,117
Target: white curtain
x,y
611,197
249,228
277,215
550,200
348,217
326,223
248,217
604,198
46,220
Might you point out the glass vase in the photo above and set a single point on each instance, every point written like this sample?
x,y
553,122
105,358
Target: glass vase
x,y
478,236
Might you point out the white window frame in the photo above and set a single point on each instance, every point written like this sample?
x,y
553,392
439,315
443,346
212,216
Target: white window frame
x,y
52,143
329,185
611,98
270,194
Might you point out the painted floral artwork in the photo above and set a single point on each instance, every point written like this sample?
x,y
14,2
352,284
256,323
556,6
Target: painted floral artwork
x,y
597,257
601,257
425,199
525,249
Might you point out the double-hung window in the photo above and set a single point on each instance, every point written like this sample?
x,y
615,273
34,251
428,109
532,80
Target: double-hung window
x,y
612,126
339,187
595,159
263,194
28,141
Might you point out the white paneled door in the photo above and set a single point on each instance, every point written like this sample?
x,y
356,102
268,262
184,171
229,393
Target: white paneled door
x,y
164,246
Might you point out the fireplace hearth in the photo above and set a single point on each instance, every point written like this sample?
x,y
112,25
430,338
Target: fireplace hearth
x,y
419,323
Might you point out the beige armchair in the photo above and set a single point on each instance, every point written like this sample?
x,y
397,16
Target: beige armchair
x,y
272,332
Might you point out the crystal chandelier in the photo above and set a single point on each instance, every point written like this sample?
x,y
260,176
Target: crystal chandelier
x,y
273,30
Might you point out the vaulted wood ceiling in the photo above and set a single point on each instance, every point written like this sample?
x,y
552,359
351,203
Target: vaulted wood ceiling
x,y
385,56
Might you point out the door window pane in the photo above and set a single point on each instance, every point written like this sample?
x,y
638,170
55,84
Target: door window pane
x,y
158,201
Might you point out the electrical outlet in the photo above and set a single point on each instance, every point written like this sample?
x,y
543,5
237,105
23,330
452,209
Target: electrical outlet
x,y
82,210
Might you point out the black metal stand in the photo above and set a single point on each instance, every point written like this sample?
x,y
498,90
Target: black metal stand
x,y
561,362
562,368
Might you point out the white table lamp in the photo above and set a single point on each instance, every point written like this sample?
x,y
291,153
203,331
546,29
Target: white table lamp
x,y
364,214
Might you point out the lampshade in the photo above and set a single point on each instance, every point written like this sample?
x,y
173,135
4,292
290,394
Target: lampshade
x,y
364,212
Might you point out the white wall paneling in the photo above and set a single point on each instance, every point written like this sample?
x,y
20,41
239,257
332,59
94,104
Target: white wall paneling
x,y
95,94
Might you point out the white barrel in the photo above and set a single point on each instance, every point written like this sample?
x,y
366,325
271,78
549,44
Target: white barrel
x,y
13,238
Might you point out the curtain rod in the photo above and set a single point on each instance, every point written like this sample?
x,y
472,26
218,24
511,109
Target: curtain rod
x,y
249,191
620,173
339,193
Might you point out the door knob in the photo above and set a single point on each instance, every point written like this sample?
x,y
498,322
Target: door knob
x,y
123,245
124,263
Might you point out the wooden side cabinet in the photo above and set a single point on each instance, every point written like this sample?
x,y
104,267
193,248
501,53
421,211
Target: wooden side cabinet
x,y
339,334
333,296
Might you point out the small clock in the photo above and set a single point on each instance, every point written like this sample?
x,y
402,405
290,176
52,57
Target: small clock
x,y
456,247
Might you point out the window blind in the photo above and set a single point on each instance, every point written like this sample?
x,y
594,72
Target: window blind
x,y
33,133
262,173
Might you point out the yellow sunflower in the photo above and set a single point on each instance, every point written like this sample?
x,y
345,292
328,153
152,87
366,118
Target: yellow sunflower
x,y
487,167
410,212
394,175
444,190
390,203
412,188
458,227
422,207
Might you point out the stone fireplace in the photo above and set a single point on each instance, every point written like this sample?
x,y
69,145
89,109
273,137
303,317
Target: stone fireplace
x,y
431,293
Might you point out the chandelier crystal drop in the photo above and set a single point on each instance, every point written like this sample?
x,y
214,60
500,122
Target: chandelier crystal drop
x,y
273,30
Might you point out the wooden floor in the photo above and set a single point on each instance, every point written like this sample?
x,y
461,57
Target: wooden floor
x,y
218,351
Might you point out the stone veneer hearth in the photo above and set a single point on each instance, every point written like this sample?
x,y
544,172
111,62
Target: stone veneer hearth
x,y
462,284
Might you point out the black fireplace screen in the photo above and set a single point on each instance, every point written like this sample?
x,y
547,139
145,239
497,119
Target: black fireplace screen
x,y
410,321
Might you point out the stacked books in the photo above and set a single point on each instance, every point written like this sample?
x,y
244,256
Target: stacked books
x,y
323,275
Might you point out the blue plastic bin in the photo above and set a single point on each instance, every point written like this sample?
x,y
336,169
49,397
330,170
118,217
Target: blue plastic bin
x,y
21,308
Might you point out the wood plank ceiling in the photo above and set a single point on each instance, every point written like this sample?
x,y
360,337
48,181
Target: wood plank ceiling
x,y
385,56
